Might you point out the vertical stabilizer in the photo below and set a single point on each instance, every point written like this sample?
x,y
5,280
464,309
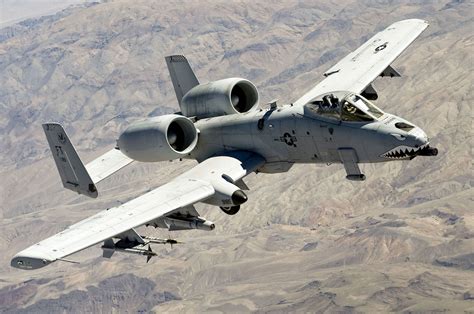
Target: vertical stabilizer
x,y
182,75
71,169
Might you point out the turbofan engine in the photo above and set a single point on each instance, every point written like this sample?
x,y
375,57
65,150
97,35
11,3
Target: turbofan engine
x,y
228,96
160,138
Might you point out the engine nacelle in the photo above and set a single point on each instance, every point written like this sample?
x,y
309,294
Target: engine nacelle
x,y
223,97
160,138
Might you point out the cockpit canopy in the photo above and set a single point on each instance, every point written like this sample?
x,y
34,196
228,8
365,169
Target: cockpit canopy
x,y
345,106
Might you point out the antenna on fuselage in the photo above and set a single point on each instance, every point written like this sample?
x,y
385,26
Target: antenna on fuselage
x,y
273,104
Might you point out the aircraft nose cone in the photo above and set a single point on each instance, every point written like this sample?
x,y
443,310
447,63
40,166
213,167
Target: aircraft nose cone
x,y
422,140
239,197
419,136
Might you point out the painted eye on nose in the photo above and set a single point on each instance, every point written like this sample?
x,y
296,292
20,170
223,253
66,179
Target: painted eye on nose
x,y
399,137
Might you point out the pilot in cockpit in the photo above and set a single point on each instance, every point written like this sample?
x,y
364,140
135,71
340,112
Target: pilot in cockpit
x,y
346,107
330,102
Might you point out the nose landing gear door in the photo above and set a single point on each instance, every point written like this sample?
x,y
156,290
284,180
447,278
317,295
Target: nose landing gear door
x,y
349,159
325,143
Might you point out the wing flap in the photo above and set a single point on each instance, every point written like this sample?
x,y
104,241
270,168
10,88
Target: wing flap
x,y
362,66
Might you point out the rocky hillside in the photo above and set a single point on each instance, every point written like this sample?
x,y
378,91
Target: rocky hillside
x,y
307,240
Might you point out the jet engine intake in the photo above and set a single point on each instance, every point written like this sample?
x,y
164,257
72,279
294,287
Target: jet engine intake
x,y
223,97
160,138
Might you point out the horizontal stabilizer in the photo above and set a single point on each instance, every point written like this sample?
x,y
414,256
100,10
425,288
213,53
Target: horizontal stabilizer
x,y
107,164
73,174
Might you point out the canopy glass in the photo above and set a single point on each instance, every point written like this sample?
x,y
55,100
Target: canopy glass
x,y
345,106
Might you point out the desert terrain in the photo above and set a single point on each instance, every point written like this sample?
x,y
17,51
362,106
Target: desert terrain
x,y
307,240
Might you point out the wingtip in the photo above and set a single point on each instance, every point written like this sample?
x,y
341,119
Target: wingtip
x,y
27,262
421,21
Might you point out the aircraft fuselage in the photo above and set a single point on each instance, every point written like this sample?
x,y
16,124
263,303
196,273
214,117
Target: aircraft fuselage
x,y
290,134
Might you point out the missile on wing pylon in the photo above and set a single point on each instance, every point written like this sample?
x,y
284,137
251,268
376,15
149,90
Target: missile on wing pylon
x,y
110,248
161,241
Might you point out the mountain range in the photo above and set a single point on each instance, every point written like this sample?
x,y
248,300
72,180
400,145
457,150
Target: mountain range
x,y
307,240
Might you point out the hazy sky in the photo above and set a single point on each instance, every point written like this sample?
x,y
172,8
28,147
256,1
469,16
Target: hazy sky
x,y
16,10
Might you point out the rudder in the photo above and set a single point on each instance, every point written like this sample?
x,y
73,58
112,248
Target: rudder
x,y
182,75
74,175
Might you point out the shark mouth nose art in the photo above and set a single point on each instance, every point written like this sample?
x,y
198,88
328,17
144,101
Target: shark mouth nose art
x,y
407,152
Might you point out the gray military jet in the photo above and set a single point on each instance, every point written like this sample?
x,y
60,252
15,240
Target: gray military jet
x,y
222,127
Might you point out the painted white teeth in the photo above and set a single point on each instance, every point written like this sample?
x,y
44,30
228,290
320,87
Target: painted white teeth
x,y
403,152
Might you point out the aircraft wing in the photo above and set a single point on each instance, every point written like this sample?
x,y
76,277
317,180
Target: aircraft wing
x,y
193,186
361,67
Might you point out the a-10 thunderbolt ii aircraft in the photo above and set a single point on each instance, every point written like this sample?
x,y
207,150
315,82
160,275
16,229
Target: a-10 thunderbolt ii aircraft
x,y
222,127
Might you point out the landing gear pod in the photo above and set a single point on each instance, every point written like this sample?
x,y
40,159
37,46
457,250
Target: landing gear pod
x,y
230,210
226,195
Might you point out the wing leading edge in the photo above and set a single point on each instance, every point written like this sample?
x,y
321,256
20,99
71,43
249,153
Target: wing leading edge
x,y
197,184
361,67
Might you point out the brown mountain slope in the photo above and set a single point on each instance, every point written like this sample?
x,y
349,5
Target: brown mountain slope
x,y
307,240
